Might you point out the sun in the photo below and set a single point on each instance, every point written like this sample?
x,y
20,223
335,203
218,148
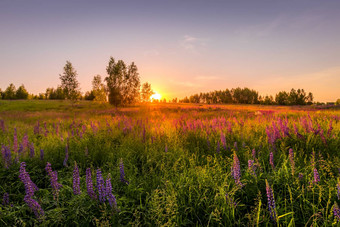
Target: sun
x,y
155,96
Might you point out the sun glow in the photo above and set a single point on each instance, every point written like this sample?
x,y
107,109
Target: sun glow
x,y
155,96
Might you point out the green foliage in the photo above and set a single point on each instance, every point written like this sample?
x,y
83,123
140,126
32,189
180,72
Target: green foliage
x,y
69,82
123,82
176,175
21,93
146,92
10,92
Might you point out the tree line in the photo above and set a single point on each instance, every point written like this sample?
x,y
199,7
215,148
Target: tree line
x,y
122,86
250,96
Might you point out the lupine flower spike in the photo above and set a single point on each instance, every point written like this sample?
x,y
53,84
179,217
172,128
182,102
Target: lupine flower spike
x,y
89,184
291,159
122,172
54,180
271,160
100,186
316,176
110,197
76,180
236,170
271,202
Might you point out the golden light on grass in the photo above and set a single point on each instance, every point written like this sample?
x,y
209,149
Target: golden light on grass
x,y
155,97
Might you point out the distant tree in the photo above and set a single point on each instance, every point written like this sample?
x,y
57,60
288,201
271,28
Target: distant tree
x,y
69,82
89,95
123,82
310,98
21,93
268,100
281,98
1,93
337,102
174,100
98,89
10,92
146,92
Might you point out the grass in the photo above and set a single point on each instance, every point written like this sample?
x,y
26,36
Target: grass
x,y
177,159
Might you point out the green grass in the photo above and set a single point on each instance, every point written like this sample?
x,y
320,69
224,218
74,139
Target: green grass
x,y
185,186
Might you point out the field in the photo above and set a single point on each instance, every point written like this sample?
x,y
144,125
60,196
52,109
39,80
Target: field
x,y
168,164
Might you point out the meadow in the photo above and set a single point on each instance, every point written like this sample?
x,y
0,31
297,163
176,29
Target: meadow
x,y
90,164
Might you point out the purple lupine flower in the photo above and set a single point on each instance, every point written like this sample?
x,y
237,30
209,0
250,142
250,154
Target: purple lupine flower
x,y
89,184
34,205
122,172
30,187
235,146
5,199
291,159
230,201
54,180
235,170
76,180
37,128
271,160
271,202
25,141
41,154
252,167
218,147
254,153
66,156
300,176
6,156
15,141
110,197
316,176
32,150
46,131
223,141
101,186
338,189
336,212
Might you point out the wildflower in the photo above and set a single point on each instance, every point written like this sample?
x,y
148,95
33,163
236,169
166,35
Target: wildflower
x,y
316,176
30,188
251,167
271,160
300,176
89,184
338,189
336,212
100,186
223,140
54,180
291,159
218,147
6,156
230,201
271,202
5,200
122,172
235,146
25,141
41,154
254,153
66,156
110,197
76,180
34,205
32,150
235,170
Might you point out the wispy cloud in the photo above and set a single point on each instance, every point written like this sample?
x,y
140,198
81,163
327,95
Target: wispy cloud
x,y
186,84
191,43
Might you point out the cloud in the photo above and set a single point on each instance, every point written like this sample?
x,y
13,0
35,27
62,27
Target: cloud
x,y
191,43
186,84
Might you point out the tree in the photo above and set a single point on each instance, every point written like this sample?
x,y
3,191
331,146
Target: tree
x,y
146,92
69,82
282,98
98,89
10,92
89,95
21,93
123,82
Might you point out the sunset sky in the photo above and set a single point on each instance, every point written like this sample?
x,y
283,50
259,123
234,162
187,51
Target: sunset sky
x,y
180,47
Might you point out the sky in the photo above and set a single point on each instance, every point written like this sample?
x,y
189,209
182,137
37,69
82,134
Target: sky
x,y
180,47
